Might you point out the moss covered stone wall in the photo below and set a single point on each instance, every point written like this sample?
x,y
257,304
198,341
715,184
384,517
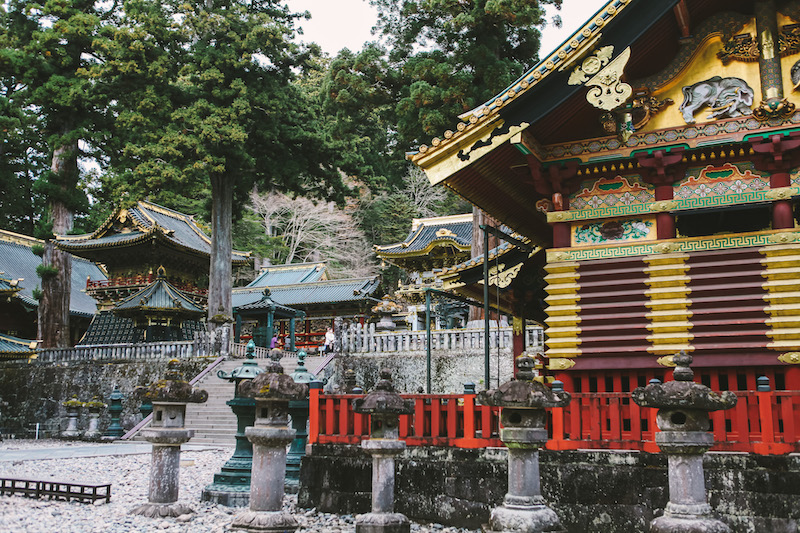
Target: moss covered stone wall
x,y
33,393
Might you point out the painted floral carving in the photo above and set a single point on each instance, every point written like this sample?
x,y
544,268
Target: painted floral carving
x,y
613,230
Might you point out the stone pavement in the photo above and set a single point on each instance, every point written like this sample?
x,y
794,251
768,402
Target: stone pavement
x,y
90,450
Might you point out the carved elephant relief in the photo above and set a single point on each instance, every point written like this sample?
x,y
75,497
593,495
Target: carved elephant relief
x,y
727,98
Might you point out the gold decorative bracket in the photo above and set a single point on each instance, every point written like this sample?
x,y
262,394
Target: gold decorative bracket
x,y
608,91
560,363
791,358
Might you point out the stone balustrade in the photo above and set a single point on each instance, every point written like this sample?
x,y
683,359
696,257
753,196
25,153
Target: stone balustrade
x,y
363,338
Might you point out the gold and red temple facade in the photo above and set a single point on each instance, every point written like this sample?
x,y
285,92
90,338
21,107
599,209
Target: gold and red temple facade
x,y
732,300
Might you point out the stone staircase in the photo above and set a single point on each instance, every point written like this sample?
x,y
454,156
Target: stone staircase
x,y
213,422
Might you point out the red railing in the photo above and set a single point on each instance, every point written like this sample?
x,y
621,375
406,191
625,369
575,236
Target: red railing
x,y
138,281
762,422
451,420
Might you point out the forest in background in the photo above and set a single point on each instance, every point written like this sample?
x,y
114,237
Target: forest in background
x,y
104,103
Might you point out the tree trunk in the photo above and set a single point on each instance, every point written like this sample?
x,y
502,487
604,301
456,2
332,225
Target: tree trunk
x,y
57,287
220,284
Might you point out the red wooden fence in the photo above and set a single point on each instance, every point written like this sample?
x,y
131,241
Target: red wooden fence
x,y
762,422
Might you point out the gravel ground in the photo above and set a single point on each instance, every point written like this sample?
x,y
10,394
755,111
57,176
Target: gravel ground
x,y
128,475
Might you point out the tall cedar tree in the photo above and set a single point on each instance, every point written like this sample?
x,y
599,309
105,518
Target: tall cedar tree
x,y
55,44
22,147
236,118
440,58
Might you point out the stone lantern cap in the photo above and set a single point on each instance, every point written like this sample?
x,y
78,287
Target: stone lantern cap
x,y
247,370
383,399
301,373
173,388
524,393
683,393
273,384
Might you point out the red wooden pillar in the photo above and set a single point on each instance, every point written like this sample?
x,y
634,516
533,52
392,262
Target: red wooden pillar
x,y
315,388
665,222
778,154
469,440
782,216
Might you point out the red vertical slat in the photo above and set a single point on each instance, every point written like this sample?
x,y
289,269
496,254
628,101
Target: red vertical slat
x,y
344,417
717,417
329,417
452,419
313,415
436,418
419,417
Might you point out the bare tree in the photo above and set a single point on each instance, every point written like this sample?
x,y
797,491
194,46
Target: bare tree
x,y
424,196
314,231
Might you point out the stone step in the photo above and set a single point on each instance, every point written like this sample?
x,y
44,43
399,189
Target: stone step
x,y
213,421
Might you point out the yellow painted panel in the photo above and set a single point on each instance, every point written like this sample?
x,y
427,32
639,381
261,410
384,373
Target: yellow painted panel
x,y
669,327
668,315
668,303
668,281
702,66
665,293
669,349
562,343
562,288
562,320
785,345
563,332
562,352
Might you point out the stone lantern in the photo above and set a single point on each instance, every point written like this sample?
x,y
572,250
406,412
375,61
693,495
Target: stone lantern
x,y
94,407
298,411
273,391
683,408
167,433
73,406
386,308
231,486
114,429
523,416
384,406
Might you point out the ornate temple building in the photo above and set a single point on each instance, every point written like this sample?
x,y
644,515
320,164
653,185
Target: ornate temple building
x,y
297,302
433,245
654,158
157,263
19,284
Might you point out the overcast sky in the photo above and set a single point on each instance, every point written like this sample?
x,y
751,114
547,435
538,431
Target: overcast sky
x,y
336,24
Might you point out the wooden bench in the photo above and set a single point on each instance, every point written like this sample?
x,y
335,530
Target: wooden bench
x,y
83,492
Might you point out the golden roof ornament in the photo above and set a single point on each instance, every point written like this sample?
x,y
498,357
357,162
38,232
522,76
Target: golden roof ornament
x,y
608,90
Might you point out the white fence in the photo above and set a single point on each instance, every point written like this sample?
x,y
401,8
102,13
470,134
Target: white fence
x,y
199,347
358,338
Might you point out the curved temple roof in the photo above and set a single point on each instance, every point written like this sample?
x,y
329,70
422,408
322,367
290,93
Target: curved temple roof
x,y
159,297
427,233
304,294
143,222
272,275
11,347
18,263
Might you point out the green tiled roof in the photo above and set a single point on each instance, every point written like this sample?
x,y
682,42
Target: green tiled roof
x,y
18,261
8,286
160,296
146,221
14,347
318,292
274,275
266,302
